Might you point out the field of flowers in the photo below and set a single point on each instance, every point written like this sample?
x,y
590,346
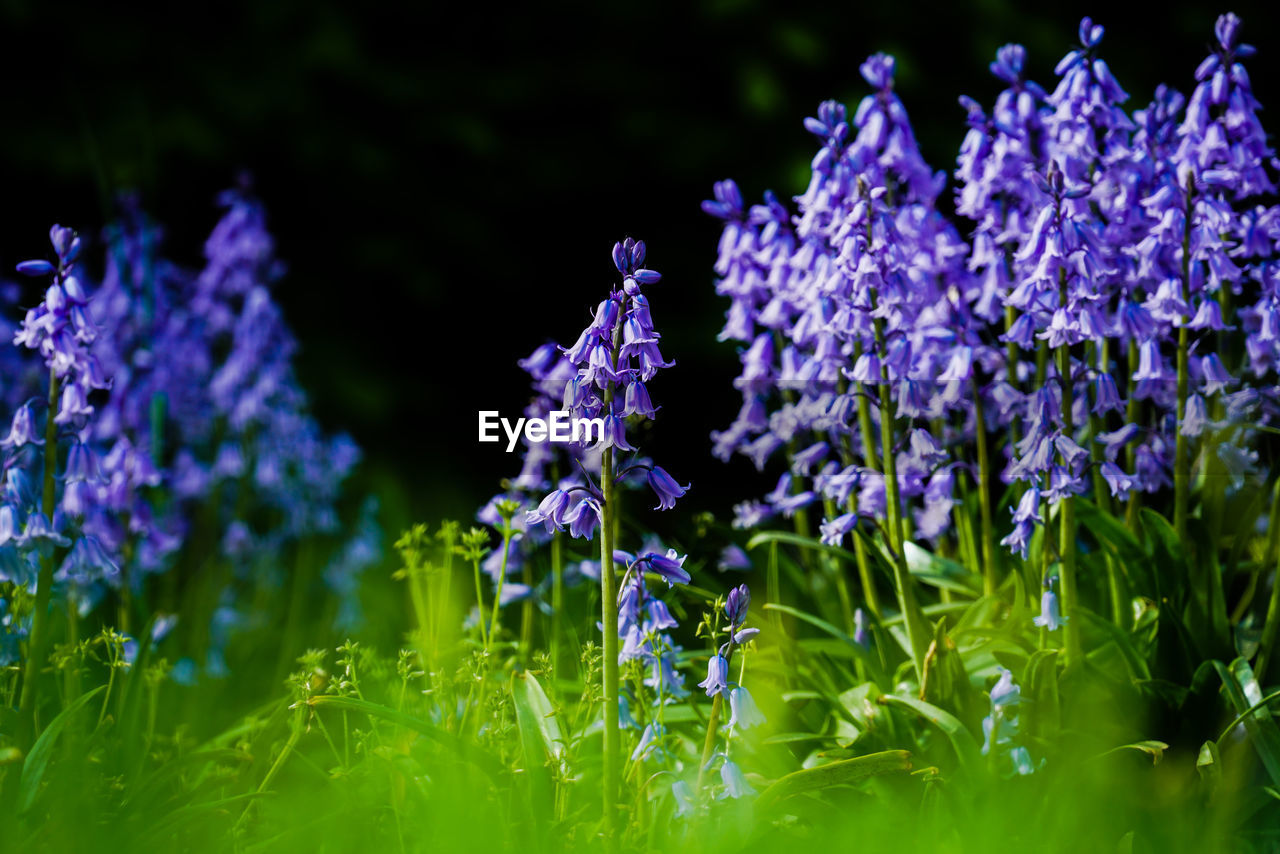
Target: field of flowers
x,y
1016,586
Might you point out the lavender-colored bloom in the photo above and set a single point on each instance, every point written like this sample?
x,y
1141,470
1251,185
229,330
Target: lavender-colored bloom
x,y
670,566
733,558
1050,616
683,796
743,710
649,742
860,634
583,518
38,533
551,512
23,430
735,784
666,488
717,676
833,531
735,606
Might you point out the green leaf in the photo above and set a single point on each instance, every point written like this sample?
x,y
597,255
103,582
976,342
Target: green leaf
x,y
961,739
1042,686
803,542
1109,530
841,773
1162,532
1151,747
161,776
482,760
939,572
872,662
540,739
37,760
1243,693
1209,766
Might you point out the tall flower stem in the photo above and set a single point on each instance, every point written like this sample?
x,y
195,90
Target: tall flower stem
x,y
609,623
1131,413
713,722
990,558
557,597
1271,628
1099,355
484,631
1067,518
912,616
1181,453
502,577
867,430
609,619
44,581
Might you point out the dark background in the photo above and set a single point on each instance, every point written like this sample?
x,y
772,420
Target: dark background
x,y
446,181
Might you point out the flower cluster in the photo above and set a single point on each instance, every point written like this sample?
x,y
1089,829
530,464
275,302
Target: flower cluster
x,y
1111,255
743,712
200,433
1000,726
61,332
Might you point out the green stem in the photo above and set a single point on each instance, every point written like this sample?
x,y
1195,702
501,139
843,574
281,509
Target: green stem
x,y
990,556
44,580
484,632
912,616
1271,628
502,577
1067,518
526,611
1132,410
557,597
609,622
1181,453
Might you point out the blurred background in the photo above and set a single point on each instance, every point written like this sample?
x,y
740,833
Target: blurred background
x,y
445,182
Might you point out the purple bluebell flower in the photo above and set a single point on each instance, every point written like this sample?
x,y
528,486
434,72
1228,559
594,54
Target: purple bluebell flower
x,y
717,676
1050,617
665,487
735,783
733,558
735,606
670,566
683,796
23,430
649,742
860,634
743,710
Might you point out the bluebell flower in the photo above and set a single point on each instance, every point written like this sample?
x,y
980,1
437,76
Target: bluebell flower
x,y
735,606
23,430
551,511
860,634
625,720
717,676
8,523
39,534
583,518
833,531
733,558
743,710
683,796
1050,617
649,741
735,783
670,566
665,487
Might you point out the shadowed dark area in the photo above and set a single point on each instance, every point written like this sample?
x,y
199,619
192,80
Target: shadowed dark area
x,y
446,184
